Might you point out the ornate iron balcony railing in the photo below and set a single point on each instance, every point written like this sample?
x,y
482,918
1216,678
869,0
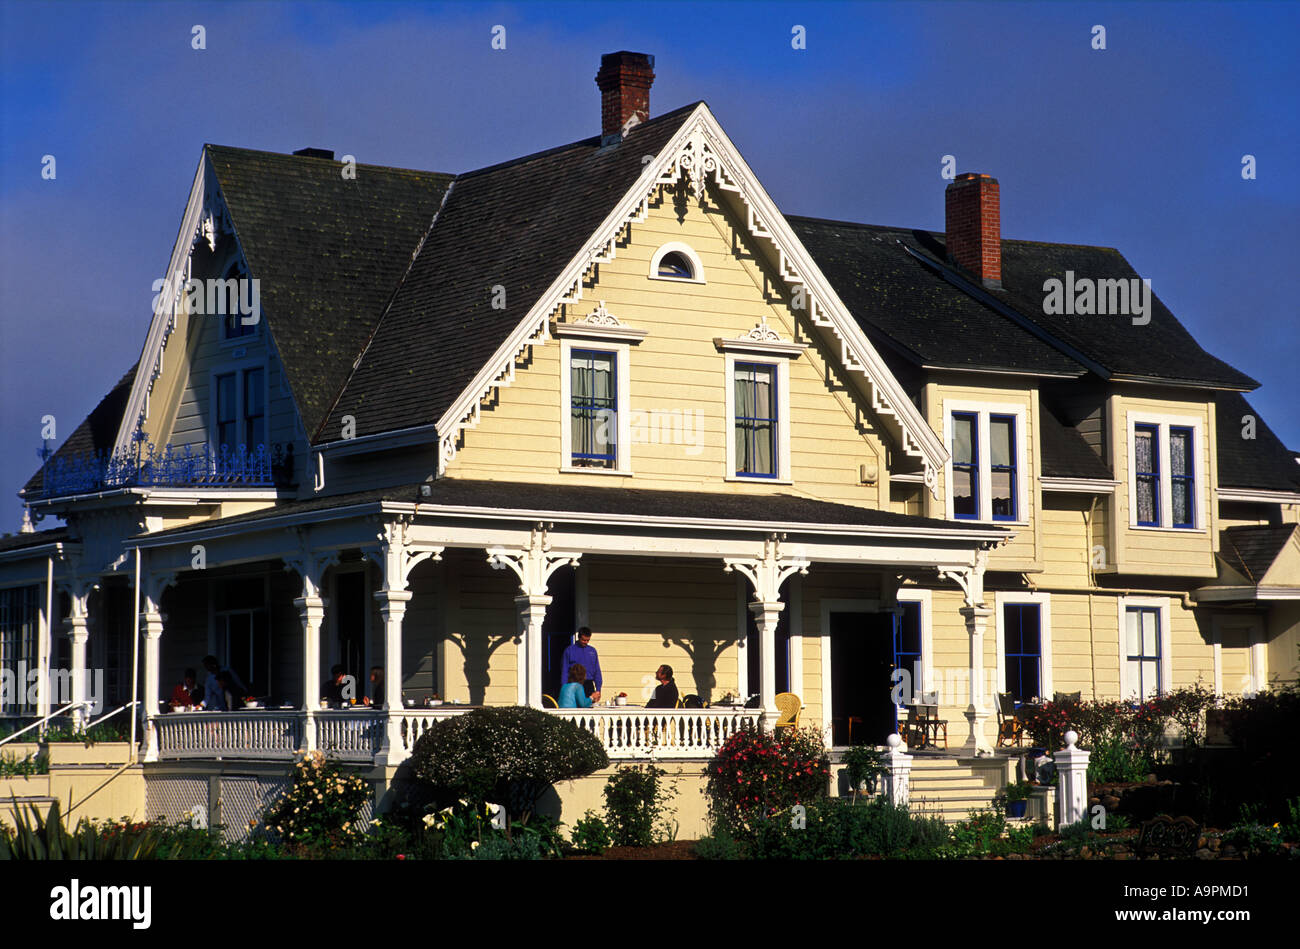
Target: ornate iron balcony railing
x,y
187,466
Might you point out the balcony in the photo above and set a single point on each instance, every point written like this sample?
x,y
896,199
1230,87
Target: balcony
x,y
188,466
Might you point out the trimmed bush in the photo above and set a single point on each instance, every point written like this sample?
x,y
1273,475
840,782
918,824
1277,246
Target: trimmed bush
x,y
509,756
323,803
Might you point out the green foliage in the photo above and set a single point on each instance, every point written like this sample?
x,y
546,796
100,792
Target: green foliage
x,y
636,805
105,731
720,846
465,832
863,765
1186,706
756,774
508,755
1116,822
591,834
1017,791
321,805
985,833
1117,760
46,838
1255,839
13,766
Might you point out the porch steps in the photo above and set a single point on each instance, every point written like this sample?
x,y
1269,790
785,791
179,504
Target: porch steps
x,y
945,788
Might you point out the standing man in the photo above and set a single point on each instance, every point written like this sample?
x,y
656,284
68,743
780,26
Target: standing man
x,y
666,691
584,654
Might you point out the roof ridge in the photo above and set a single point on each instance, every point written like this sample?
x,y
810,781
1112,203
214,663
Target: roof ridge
x,y
839,222
332,161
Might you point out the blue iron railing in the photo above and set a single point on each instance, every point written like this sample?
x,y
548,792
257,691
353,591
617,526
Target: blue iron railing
x,y
187,466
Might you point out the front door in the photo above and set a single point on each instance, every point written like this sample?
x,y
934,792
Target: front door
x,y
558,627
862,663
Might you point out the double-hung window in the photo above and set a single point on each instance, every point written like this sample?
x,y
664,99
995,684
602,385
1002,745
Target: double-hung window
x,y
239,410
757,420
593,409
1144,647
986,471
1165,473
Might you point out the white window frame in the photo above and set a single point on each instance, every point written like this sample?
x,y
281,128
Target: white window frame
x,y
622,363
1166,500
1127,688
782,364
982,411
925,599
677,247
1043,601
238,369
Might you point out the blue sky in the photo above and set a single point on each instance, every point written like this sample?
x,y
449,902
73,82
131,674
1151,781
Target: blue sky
x,y
1137,146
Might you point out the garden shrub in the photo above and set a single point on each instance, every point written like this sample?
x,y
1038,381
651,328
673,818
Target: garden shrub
x,y
833,829
1117,760
591,834
507,755
321,805
863,765
756,774
636,806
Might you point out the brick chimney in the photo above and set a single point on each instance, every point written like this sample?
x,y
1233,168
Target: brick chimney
x,y
973,222
624,80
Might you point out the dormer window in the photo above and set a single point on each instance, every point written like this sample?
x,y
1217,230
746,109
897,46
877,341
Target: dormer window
x,y
986,468
676,261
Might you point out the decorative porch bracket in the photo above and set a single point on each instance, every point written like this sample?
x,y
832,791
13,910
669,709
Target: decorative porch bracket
x,y
976,615
765,574
78,588
310,565
151,622
396,557
533,565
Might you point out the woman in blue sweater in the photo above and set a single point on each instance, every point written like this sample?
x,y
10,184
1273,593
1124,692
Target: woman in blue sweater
x,y
572,693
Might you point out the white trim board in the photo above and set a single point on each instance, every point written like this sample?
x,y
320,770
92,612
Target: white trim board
x,y
1161,603
1002,599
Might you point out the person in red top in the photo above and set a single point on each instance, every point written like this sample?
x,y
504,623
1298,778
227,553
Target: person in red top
x,y
184,694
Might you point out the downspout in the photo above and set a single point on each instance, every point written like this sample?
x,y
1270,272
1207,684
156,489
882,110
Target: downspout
x,y
47,643
1092,584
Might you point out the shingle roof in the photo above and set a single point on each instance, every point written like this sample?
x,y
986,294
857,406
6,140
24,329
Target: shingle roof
x,y
35,539
1251,550
892,293
515,226
95,435
575,499
1262,462
1065,453
329,252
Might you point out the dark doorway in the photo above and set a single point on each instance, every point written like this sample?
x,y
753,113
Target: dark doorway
x,y
350,589
558,627
862,660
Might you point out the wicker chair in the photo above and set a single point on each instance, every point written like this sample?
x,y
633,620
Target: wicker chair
x,y
548,702
788,704
1010,728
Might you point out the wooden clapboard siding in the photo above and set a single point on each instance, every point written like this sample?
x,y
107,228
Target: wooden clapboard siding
x,y
1160,552
1066,533
1283,633
677,372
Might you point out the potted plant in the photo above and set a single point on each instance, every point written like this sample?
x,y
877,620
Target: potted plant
x,y
1016,796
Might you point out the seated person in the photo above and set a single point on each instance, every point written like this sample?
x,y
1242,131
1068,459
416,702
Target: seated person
x,y
214,688
331,689
666,691
188,692
376,697
572,693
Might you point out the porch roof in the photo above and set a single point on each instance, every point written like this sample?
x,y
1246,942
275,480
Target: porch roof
x,y
532,502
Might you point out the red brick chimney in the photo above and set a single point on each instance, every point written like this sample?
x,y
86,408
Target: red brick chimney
x,y
624,79
973,221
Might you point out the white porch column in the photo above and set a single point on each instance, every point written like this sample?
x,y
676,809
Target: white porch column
x,y
396,557
310,565
79,635
152,622
1071,782
44,646
898,773
533,565
765,574
976,615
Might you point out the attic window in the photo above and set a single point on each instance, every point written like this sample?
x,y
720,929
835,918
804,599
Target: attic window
x,y
676,261
676,266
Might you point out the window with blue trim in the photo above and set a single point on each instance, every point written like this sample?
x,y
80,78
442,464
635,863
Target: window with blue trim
x,y
1182,478
1002,466
907,645
1143,653
1023,645
757,423
965,465
1146,473
593,397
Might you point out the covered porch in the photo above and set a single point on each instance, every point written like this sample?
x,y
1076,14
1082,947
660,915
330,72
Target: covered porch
x,y
456,592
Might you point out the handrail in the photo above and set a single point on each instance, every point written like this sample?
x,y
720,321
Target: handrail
x,y
42,721
120,708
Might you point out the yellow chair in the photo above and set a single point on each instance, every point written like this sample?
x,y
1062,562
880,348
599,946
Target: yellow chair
x,y
788,704
548,702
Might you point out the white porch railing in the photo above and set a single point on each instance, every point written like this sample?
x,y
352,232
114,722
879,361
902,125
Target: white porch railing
x,y
246,734
358,735
666,733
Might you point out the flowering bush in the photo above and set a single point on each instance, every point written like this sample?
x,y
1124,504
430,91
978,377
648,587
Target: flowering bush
x,y
1137,726
756,774
322,804
506,755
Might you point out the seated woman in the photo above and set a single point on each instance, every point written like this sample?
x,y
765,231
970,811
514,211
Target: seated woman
x,y
572,693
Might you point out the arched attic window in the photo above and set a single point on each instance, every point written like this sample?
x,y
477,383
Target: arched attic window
x,y
676,261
